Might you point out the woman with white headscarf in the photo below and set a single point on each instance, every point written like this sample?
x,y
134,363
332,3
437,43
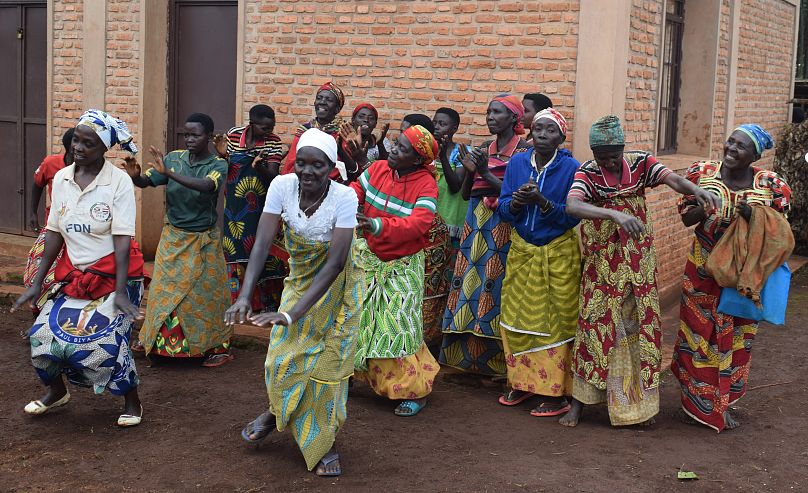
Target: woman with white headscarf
x,y
85,322
313,335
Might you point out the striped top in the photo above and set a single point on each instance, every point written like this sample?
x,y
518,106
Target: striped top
x,y
596,185
237,143
401,209
497,163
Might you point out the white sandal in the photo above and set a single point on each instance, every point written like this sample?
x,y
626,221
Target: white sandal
x,y
127,420
37,408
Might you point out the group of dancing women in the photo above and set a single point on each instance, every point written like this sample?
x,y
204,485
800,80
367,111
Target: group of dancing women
x,y
378,260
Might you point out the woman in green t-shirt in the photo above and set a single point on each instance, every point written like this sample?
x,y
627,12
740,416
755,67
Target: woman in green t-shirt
x,y
189,292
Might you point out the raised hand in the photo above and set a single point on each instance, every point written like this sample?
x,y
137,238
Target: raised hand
x,y
220,144
480,157
467,159
383,133
131,166
528,194
158,164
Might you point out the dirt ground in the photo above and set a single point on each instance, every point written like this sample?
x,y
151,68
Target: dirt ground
x,y
463,440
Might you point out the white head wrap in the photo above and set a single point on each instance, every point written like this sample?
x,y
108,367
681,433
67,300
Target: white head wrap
x,y
110,130
318,139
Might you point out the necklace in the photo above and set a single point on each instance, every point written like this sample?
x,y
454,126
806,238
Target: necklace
x,y
305,211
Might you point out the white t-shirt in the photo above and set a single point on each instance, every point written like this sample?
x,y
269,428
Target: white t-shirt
x,y
338,209
87,219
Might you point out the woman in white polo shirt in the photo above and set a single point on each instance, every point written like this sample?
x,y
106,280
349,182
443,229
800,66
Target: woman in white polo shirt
x,y
84,327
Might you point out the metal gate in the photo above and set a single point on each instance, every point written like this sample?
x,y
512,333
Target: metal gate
x,y
23,56
202,64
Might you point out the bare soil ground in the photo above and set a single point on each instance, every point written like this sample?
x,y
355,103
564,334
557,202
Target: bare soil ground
x,y
462,441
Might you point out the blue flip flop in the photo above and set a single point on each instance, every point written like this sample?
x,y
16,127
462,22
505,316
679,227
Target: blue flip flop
x,y
409,408
262,430
325,461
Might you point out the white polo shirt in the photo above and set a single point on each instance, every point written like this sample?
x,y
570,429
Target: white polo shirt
x,y
87,219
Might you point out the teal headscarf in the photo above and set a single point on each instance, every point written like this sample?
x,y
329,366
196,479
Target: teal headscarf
x,y
606,131
760,137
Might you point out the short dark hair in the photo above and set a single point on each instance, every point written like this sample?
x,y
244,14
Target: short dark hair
x,y
67,138
420,119
202,119
452,114
260,111
540,101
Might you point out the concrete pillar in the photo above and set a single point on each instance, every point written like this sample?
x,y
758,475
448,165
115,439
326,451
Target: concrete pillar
x,y
602,72
698,75
94,59
153,115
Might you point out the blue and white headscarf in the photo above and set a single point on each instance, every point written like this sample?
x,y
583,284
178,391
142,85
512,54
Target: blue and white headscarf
x,y
760,137
111,130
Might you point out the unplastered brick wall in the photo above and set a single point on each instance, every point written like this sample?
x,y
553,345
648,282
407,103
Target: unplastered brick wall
x,y
640,123
643,73
66,95
407,57
765,63
123,66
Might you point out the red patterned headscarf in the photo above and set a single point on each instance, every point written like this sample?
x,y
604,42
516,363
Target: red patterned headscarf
x,y
553,115
365,105
423,142
335,90
514,106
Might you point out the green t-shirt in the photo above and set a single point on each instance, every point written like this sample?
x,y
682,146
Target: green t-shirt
x,y
451,206
185,208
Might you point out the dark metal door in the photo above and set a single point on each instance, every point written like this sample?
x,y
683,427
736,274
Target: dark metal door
x,y
23,57
202,64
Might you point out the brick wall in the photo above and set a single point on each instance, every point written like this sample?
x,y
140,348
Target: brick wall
x,y
643,74
66,95
407,57
123,67
765,57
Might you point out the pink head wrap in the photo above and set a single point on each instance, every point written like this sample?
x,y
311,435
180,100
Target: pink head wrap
x,y
514,106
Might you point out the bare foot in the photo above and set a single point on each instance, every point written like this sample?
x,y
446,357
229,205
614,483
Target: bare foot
x,y
729,422
573,415
648,422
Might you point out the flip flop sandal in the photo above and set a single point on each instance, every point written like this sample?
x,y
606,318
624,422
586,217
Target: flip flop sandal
x,y
408,408
215,360
325,461
137,347
252,428
506,400
550,412
37,408
128,420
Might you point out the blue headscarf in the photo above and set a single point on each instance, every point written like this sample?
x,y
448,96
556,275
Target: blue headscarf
x,y
111,130
760,137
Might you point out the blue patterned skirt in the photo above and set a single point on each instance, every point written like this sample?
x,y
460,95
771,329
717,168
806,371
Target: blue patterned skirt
x,y
87,340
